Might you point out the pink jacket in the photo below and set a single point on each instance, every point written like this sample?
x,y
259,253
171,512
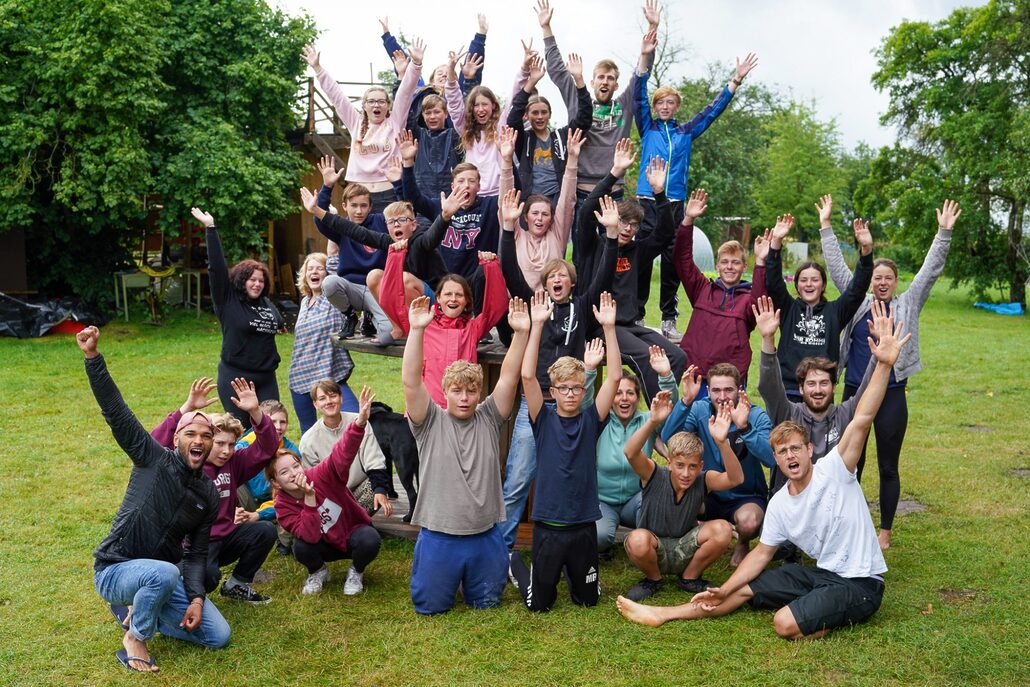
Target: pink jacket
x,y
336,514
369,154
446,339
484,154
533,253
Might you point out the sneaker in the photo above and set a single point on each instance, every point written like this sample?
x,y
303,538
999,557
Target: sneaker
x,y
282,549
669,330
644,589
350,324
640,322
368,325
355,582
244,592
316,581
693,586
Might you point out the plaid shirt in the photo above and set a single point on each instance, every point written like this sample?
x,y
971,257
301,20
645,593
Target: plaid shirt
x,y
314,355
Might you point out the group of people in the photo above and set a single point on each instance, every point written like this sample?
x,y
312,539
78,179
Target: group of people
x,y
456,217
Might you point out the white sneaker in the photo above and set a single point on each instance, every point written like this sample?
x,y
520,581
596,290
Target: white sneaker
x,y
355,582
669,330
316,581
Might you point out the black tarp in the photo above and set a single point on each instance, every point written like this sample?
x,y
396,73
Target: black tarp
x,y
26,320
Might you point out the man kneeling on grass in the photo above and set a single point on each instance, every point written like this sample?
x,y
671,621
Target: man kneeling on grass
x,y
669,540
168,500
824,513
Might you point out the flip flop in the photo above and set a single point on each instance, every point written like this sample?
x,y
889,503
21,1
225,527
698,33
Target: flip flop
x,y
123,657
121,613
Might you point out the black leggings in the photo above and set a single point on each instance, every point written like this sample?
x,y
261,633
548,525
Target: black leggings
x,y
264,383
362,548
890,424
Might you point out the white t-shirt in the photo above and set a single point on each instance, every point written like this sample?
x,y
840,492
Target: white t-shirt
x,y
829,521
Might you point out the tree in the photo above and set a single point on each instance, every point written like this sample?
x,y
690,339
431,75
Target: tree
x,y
960,96
106,102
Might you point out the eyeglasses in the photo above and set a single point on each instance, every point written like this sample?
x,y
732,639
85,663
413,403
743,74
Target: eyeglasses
x,y
398,221
376,103
569,390
793,450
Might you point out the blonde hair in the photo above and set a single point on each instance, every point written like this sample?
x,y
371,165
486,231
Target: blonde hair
x,y
684,444
227,423
464,375
782,432
608,66
555,264
565,368
473,128
398,208
433,101
364,115
302,283
665,92
731,246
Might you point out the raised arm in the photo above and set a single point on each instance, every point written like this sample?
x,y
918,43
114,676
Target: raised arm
x,y
416,396
335,227
719,428
605,316
933,264
840,274
477,50
344,108
217,268
556,67
583,118
852,297
681,419
690,274
661,408
770,379
409,82
774,263
506,389
452,93
511,211
196,399
665,231
540,311
495,294
346,448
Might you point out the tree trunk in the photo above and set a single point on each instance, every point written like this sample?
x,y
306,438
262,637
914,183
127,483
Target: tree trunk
x,y
1015,263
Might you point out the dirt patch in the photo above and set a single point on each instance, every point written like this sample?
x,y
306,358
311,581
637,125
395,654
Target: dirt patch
x,y
979,429
956,596
905,506
1021,472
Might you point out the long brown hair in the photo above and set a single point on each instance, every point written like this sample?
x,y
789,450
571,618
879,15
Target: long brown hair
x,y
473,128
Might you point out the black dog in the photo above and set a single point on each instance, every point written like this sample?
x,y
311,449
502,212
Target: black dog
x,y
398,445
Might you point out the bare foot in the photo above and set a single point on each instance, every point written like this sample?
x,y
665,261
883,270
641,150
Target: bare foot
x,y
134,647
739,552
638,613
885,539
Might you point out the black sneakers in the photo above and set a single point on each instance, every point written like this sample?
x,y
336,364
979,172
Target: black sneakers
x,y
368,325
244,592
644,589
350,324
694,586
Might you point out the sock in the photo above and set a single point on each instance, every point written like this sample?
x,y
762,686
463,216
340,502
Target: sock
x,y
233,581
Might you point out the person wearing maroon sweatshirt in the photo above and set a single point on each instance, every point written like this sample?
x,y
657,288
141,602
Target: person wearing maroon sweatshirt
x,y
318,509
722,320
234,536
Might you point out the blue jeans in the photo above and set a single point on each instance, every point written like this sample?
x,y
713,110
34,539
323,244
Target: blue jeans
x,y
627,514
518,473
442,562
155,591
304,407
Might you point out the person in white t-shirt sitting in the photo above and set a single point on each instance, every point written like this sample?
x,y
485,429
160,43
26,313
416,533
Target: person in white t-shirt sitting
x,y
824,513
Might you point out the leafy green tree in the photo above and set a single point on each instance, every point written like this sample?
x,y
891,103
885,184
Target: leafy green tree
x,y
105,102
960,96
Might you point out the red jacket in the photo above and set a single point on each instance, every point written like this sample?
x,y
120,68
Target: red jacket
x,y
720,327
446,339
336,514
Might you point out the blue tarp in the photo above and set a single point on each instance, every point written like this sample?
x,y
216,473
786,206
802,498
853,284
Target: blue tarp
x,y
1001,308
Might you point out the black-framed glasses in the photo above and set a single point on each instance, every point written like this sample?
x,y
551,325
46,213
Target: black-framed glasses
x,y
569,390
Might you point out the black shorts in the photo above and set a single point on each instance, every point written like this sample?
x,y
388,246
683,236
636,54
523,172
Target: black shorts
x,y
717,509
572,548
819,599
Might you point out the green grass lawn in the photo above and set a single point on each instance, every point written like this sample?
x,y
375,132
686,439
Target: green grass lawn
x,y
955,610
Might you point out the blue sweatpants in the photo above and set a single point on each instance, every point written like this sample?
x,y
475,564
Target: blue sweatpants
x,y
478,562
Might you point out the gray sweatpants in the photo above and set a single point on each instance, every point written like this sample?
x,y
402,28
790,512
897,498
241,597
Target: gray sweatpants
x,y
346,295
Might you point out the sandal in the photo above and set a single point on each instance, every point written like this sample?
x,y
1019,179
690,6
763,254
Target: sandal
x,y
123,657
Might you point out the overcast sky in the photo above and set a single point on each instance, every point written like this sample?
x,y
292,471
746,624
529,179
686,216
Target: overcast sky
x,y
822,50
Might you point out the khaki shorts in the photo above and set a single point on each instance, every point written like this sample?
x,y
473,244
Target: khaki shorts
x,y
674,554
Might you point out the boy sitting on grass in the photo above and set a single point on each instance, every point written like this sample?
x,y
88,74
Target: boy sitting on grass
x,y
670,541
565,506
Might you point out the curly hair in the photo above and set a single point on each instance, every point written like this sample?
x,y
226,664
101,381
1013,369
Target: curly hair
x,y
473,128
464,375
243,270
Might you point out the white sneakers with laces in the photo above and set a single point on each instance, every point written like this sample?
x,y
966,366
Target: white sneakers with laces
x,y
316,581
355,582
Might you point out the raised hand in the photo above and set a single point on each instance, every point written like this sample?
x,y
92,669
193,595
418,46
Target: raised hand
x,y
518,315
486,256
310,202
659,361
889,342
302,483
574,65
453,57
825,208
544,13
511,208
719,424
417,50
507,143
384,23
197,396
761,248
537,69
948,214
653,13
863,236
419,313
742,411
767,318
696,206
483,25
744,68
400,63
311,56
454,202
623,158
661,407
407,146
593,354
605,316
246,398
541,307
649,43
656,170
365,399
87,341
394,168
204,218
471,66
690,385
780,231
327,168
527,54
608,217
575,144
